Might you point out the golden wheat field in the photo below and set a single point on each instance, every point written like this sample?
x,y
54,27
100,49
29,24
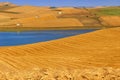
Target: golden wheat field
x,y
54,17
63,74
90,56
39,16
111,20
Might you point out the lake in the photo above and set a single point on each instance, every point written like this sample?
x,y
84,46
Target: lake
x,y
29,37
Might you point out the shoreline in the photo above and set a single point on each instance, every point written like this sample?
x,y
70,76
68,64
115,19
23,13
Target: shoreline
x,y
8,29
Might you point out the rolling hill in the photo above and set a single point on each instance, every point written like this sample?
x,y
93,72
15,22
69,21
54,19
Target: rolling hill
x,y
96,49
67,16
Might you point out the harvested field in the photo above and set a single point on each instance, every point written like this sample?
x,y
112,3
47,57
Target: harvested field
x,y
4,18
87,20
63,74
90,56
71,10
27,11
95,49
51,21
85,16
55,23
37,17
111,20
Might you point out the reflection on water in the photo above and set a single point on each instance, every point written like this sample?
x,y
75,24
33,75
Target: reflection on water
x,y
28,37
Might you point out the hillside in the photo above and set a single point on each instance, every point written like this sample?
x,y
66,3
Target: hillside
x,y
96,49
111,20
107,11
2,4
39,16
99,17
90,56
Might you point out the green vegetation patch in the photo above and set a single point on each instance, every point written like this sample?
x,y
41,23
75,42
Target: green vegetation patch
x,y
108,11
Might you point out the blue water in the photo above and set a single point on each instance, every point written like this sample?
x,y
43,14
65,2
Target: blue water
x,y
28,37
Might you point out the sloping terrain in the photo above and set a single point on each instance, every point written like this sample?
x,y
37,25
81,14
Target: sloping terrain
x,y
111,20
4,18
29,11
31,16
43,21
107,11
86,20
83,15
6,4
96,49
59,16
71,10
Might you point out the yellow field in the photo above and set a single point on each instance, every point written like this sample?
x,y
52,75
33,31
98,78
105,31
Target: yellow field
x,y
63,74
81,54
45,21
90,56
111,20
96,49
54,17
39,16
71,10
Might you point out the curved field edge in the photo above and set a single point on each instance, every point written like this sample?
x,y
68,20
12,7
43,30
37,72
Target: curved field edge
x,y
96,49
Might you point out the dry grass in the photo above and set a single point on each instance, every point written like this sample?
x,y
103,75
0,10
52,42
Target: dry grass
x,y
63,74
78,53
71,10
111,20
27,11
6,4
55,23
95,49
84,17
51,21
46,17
4,18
